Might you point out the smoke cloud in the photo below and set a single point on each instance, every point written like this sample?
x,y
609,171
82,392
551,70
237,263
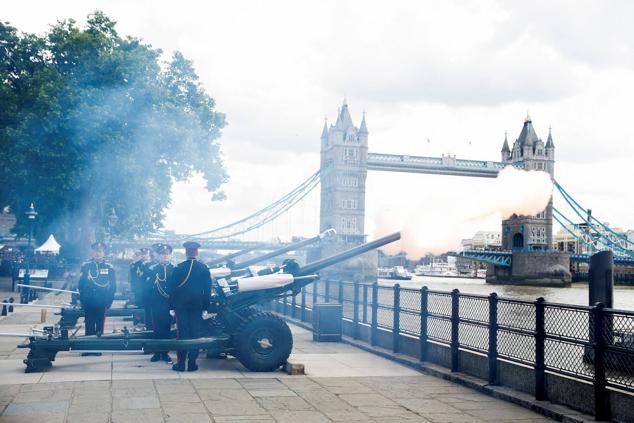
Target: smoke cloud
x,y
436,221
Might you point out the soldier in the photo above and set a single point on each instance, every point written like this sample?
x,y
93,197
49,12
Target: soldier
x,y
159,299
189,290
147,285
97,285
136,277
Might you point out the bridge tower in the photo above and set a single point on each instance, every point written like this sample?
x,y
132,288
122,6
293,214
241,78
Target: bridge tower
x,y
530,233
344,154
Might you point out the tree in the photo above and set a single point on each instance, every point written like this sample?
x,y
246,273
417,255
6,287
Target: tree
x,y
91,121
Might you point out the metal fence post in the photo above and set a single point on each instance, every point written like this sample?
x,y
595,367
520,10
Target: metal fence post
x,y
455,325
327,291
375,306
340,293
493,338
365,303
540,350
315,292
355,311
601,398
303,305
424,300
293,305
396,327
285,306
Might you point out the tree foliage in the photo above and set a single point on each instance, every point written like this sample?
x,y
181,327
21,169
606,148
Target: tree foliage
x,y
91,121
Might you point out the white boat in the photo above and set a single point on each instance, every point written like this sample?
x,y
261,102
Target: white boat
x,y
396,272
441,269
481,273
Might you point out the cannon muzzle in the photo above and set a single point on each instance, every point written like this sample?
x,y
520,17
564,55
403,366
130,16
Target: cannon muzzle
x,y
347,254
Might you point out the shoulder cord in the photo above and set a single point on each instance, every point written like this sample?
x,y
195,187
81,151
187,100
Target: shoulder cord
x,y
158,280
191,265
94,279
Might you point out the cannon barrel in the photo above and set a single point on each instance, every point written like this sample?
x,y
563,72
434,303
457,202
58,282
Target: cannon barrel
x,y
43,288
279,251
345,255
231,256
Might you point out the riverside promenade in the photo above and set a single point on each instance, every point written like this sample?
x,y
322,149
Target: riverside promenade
x,y
342,384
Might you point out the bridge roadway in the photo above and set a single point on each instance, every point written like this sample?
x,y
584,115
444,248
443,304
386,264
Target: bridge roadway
x,y
445,165
505,258
230,245
343,384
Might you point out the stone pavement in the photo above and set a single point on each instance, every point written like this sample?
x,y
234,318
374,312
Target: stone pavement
x,y
342,384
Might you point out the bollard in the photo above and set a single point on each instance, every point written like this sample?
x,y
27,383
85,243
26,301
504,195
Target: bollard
x,y
601,396
11,300
4,308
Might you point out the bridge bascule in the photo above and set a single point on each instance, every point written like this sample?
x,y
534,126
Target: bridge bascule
x,y
345,161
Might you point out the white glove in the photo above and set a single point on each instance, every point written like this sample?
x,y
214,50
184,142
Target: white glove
x,y
205,313
172,313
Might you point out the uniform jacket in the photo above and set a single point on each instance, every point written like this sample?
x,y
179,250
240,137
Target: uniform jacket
x,y
190,285
159,277
97,284
137,277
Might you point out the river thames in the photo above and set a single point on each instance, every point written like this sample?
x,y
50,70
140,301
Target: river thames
x,y
577,293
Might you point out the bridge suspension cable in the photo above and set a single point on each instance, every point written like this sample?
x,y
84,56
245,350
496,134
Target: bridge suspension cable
x,y
580,211
262,216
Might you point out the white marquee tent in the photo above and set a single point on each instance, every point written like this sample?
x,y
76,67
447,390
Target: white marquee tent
x,y
50,246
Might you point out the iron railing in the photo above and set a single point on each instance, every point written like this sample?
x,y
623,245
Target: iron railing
x,y
591,344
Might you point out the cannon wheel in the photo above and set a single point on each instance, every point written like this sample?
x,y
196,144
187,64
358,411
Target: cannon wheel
x,y
263,342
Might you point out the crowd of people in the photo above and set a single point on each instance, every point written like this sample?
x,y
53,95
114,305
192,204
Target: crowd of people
x,y
167,293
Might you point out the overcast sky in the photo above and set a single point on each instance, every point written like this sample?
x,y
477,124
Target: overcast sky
x,y
457,73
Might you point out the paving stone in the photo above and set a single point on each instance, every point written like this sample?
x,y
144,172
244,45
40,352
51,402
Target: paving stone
x,y
137,416
225,395
188,418
47,386
36,407
216,384
174,408
455,418
284,403
375,411
133,392
83,406
502,413
250,419
367,399
272,393
34,418
181,397
135,403
234,408
93,417
345,416
299,416
47,395
426,406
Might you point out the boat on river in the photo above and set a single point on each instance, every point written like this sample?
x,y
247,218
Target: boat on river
x,y
396,272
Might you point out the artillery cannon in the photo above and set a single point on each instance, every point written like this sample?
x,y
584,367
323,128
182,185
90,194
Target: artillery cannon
x,y
260,340
70,315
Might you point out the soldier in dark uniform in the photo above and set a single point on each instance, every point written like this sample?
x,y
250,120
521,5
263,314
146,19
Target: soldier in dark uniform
x,y
147,285
136,276
159,299
189,290
97,285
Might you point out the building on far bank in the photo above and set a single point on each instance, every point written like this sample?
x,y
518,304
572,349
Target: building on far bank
x,y
483,240
585,236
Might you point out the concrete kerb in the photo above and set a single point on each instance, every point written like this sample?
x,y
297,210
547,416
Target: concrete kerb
x,y
546,408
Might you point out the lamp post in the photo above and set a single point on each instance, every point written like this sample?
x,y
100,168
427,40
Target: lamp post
x,y
31,214
112,220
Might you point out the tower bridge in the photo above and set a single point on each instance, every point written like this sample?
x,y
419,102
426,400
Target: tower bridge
x,y
344,164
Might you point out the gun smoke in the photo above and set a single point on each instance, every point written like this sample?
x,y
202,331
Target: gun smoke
x,y
436,220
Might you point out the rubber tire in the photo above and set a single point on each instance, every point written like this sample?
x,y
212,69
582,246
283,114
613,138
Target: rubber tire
x,y
245,337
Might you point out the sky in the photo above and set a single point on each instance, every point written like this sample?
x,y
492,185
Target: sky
x,y
433,78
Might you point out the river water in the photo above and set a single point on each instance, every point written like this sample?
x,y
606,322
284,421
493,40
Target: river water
x,y
577,293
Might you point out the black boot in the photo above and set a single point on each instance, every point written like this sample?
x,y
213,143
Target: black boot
x,y
192,366
166,357
179,366
156,357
